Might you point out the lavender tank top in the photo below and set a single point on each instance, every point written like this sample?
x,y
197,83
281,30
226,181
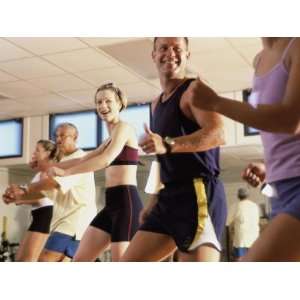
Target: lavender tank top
x,y
281,151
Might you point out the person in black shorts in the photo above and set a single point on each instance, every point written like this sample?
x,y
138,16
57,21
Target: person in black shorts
x,y
116,224
190,211
37,234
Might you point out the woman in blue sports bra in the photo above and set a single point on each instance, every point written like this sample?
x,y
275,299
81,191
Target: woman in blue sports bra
x,y
117,222
274,109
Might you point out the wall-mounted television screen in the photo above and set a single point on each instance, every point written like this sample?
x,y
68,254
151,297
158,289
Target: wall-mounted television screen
x,y
87,123
248,131
11,138
137,115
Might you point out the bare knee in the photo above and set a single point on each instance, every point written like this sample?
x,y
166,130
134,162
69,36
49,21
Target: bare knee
x,y
204,253
50,256
26,258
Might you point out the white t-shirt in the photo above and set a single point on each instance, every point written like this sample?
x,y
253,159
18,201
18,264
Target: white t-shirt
x,y
154,185
246,224
44,201
74,201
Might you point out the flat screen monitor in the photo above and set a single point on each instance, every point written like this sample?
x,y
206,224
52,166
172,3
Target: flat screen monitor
x,y
87,123
11,138
248,131
137,115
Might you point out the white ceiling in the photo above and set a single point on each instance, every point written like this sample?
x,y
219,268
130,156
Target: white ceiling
x,y
47,75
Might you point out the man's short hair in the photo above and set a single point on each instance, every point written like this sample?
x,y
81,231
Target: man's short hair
x,y
68,125
243,193
186,39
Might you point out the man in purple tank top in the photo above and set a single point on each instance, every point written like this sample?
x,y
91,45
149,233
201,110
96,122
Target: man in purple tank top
x,y
273,109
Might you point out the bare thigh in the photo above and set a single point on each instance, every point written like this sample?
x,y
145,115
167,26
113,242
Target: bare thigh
x,y
51,256
92,244
66,259
280,241
204,253
149,246
31,246
118,249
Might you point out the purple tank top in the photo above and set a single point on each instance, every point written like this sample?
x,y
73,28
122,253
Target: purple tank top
x,y
281,151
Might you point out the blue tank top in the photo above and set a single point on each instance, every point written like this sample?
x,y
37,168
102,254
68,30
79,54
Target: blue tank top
x,y
169,120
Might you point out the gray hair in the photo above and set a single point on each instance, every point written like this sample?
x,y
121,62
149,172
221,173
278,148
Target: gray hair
x,y
68,125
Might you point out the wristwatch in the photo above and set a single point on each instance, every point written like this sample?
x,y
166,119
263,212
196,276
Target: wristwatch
x,y
168,143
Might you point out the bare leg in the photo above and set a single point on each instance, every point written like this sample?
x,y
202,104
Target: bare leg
x,y
51,256
31,246
280,241
118,249
66,259
149,246
205,252
93,242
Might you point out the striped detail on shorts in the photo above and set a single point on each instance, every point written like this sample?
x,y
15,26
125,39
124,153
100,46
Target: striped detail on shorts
x,y
202,207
